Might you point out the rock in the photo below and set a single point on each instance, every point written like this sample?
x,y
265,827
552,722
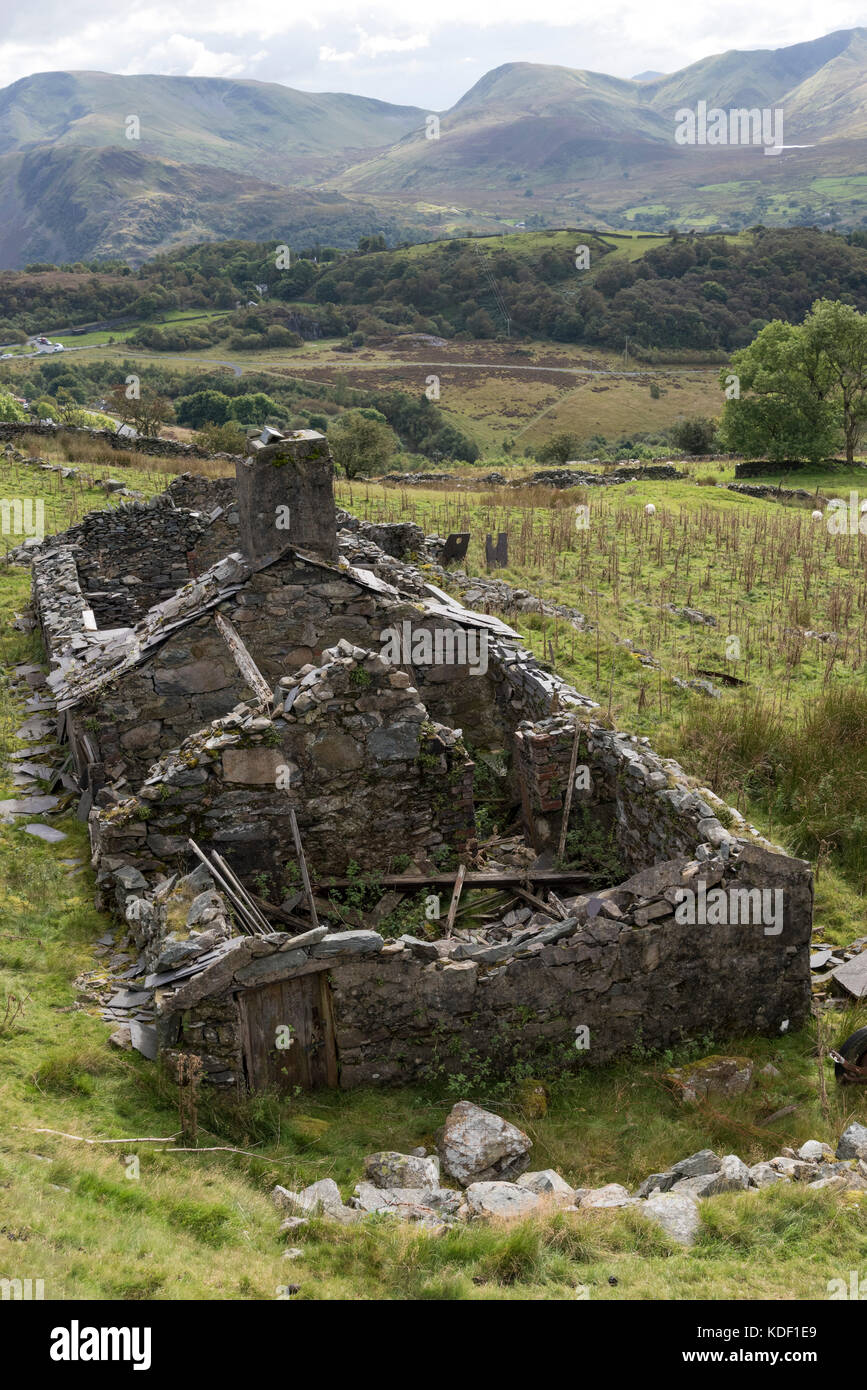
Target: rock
x,y
794,1168
763,1175
413,1203
46,833
121,1038
478,1146
657,1182
320,1197
733,1176
813,1151
503,1199
293,1222
851,977
698,1187
547,1183
853,1142
390,1169
676,1214
770,1070
705,1161
359,942
721,1076
611,1195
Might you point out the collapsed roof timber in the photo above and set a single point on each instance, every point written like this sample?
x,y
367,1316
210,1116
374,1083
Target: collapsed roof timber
x,y
261,714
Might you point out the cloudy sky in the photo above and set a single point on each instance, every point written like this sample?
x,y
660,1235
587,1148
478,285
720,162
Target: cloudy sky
x,y
423,52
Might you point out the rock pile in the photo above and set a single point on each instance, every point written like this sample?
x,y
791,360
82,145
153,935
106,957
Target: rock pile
x,y
489,1158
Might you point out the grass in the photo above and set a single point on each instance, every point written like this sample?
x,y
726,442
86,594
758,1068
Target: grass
x,y
93,1223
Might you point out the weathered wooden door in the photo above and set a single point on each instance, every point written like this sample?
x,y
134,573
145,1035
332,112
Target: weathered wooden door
x,y
287,1029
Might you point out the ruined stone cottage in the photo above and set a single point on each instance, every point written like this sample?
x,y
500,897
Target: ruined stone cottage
x,y
313,671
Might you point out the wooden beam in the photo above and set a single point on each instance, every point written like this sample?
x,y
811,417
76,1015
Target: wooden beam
x,y
243,660
302,864
472,879
456,897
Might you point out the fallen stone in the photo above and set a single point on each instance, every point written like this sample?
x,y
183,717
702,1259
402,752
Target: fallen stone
x,y
478,1146
813,1151
500,1199
390,1169
611,1195
657,1182
29,805
853,1142
548,1183
763,1175
414,1203
46,833
722,1076
705,1161
677,1214
320,1197
121,1038
849,978
733,1176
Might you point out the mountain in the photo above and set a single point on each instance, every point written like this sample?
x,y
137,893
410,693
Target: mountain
x,y
526,122
528,143
69,203
255,128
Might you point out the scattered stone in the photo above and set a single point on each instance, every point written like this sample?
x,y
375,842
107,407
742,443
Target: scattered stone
x,y
45,832
478,1146
676,1213
502,1199
401,1170
611,1195
548,1183
764,1175
122,1038
705,1161
719,1076
853,1142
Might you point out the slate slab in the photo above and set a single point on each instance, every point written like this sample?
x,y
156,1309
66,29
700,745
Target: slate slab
x,y
46,833
29,805
851,978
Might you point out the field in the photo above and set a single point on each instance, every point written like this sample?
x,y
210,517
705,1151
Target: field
x,y
199,1224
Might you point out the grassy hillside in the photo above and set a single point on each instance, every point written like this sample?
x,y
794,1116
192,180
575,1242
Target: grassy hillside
x,y
198,1225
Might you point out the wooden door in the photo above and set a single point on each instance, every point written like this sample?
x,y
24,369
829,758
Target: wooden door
x,y
294,1012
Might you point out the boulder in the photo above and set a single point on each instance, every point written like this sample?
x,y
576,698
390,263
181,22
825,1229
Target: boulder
x,y
611,1195
718,1076
705,1161
477,1146
763,1175
547,1183
676,1214
413,1203
390,1169
503,1199
656,1182
322,1197
853,1142
733,1176
814,1150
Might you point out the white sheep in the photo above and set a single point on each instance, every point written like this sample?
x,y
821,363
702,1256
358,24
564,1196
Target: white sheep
x,y
817,516
649,509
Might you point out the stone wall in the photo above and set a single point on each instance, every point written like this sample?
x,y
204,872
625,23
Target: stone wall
x,y
286,614
646,801
350,746
410,1010
164,448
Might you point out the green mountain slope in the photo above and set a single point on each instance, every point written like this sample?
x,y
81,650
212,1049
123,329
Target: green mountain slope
x,y
255,128
69,203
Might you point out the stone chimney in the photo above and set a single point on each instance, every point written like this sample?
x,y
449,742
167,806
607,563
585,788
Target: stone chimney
x,y
286,495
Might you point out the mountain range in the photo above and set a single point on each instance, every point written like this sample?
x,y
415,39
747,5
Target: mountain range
x,y
94,164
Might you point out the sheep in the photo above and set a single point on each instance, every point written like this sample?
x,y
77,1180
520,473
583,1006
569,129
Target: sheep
x,y
649,509
817,516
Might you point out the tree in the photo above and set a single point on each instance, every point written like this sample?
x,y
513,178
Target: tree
x,y
252,408
784,407
10,410
360,444
146,413
203,408
560,448
837,334
694,435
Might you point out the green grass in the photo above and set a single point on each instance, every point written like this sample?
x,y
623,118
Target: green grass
x,y
201,1226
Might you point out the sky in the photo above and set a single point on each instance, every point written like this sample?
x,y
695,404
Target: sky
x,y
417,52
